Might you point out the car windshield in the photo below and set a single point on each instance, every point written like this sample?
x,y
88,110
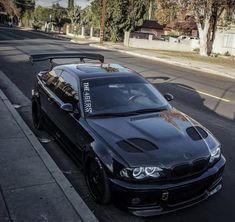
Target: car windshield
x,y
120,96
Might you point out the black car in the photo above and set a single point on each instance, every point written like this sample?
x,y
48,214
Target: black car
x,y
135,148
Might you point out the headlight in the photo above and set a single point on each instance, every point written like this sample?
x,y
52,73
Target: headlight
x,y
215,154
141,172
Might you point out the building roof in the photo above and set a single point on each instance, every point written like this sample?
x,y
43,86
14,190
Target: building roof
x,y
188,24
151,24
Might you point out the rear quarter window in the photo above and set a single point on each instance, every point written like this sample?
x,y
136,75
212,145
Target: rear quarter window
x,y
50,79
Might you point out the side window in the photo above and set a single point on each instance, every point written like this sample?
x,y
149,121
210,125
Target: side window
x,y
67,88
50,79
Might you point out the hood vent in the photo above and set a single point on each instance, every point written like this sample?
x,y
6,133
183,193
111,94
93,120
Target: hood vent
x,y
196,133
136,145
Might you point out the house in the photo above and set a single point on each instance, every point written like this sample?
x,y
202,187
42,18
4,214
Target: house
x,y
151,26
182,27
224,42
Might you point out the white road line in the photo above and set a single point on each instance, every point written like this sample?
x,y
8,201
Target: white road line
x,y
207,94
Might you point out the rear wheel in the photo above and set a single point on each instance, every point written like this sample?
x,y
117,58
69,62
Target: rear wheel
x,y
97,181
37,114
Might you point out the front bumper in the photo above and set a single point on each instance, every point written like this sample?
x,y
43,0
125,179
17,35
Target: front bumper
x,y
151,199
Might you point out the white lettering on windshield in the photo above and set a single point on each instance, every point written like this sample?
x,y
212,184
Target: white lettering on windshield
x,y
87,98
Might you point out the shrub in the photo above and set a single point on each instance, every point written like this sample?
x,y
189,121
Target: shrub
x,y
37,25
197,50
227,53
215,55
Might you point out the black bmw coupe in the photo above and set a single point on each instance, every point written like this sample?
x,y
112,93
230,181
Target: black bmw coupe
x,y
135,148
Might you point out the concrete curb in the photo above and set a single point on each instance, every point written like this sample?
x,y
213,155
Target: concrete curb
x,y
71,194
165,61
82,42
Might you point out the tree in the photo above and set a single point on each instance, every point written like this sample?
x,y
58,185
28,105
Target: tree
x,y
137,11
206,14
96,10
25,6
10,8
73,13
166,13
58,11
86,16
42,14
121,15
70,3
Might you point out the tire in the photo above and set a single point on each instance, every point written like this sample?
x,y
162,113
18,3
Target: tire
x,y
97,181
37,115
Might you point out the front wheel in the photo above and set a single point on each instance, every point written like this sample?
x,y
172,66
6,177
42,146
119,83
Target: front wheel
x,y
97,181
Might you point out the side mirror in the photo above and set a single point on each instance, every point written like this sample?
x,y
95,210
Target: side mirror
x,y
169,97
68,107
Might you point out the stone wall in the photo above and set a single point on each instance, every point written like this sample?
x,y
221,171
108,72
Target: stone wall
x,y
225,42
183,46
83,32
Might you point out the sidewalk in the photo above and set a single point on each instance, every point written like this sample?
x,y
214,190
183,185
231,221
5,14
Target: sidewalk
x,y
207,67
32,188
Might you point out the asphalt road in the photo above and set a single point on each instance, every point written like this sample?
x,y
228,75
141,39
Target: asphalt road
x,y
207,98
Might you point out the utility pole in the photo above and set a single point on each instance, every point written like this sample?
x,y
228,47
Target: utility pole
x,y
102,22
70,4
150,9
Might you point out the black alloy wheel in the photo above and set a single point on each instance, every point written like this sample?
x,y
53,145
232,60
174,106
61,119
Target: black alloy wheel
x,y
97,181
37,115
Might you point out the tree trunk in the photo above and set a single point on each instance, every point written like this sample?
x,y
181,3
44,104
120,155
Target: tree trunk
x,y
203,47
215,16
204,37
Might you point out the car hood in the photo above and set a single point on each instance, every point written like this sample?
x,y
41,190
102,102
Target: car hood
x,y
153,139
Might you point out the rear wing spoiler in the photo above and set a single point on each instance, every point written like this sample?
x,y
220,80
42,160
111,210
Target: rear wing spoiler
x,y
50,57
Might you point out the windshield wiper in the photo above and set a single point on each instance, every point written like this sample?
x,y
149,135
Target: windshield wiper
x,y
152,110
131,113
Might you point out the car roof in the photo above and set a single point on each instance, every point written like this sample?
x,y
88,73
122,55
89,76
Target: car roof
x,y
91,70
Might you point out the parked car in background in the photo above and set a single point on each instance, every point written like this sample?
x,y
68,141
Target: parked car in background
x,y
142,35
194,37
183,38
186,38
